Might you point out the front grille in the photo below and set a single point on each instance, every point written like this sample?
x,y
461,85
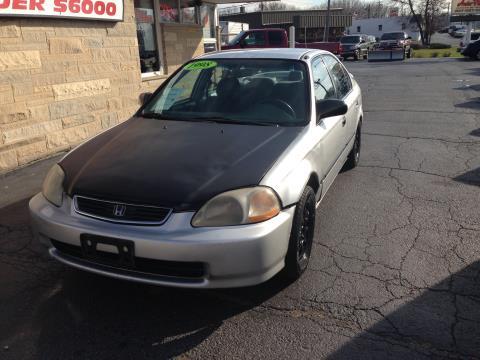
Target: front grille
x,y
121,212
176,269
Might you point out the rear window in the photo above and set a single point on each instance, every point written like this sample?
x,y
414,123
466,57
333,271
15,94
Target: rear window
x,y
275,38
393,36
350,39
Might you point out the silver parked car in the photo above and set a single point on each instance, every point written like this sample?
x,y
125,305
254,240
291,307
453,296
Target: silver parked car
x,y
215,180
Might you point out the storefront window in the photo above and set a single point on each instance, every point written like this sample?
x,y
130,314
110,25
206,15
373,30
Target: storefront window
x,y
188,11
146,34
169,11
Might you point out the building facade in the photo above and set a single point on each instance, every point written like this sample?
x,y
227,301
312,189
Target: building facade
x,y
378,26
63,80
309,24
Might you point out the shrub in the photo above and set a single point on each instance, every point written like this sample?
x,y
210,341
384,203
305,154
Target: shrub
x,y
434,54
439,46
447,54
417,46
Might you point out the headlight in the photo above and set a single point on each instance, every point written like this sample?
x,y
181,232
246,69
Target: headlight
x,y
53,185
238,207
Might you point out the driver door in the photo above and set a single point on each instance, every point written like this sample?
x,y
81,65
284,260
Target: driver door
x,y
328,131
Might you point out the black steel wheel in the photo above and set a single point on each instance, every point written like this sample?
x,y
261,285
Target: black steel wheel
x,y
301,237
354,156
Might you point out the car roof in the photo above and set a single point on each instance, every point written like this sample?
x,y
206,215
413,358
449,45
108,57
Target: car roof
x,y
284,53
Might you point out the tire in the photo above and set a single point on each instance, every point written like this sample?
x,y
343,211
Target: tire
x,y
477,55
409,53
301,237
365,56
356,55
354,156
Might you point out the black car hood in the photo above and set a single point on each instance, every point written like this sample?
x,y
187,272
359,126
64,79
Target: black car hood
x,y
175,164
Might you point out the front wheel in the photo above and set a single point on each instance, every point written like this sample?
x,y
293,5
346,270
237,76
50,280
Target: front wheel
x,y
356,55
301,237
354,156
409,53
477,56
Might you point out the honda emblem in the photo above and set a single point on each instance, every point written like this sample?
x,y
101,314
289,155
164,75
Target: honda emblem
x,y
119,210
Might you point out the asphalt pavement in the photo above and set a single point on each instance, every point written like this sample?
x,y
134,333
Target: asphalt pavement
x,y
395,269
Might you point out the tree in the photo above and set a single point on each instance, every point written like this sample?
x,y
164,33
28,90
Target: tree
x,y
359,8
274,5
426,14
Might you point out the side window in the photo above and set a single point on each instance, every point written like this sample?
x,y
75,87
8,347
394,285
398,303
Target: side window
x,y
275,38
380,27
323,85
339,74
256,38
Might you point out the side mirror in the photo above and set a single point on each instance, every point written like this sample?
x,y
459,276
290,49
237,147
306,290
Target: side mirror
x,y
330,107
145,97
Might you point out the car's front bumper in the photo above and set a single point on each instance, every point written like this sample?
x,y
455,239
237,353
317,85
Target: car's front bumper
x,y
347,53
232,256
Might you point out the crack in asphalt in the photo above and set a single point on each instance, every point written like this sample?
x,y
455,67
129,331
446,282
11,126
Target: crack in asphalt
x,y
467,142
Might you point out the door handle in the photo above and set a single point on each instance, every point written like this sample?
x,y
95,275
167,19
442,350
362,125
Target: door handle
x,y
344,121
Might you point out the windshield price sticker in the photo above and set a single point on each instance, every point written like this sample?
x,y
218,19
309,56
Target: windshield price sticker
x,y
201,65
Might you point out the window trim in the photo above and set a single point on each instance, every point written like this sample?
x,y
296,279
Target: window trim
x,y
331,76
160,53
320,58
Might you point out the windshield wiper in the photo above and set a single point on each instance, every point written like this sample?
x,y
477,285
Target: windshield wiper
x,y
154,115
225,120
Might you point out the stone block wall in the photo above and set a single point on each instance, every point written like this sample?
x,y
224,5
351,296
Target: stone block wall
x,y
63,81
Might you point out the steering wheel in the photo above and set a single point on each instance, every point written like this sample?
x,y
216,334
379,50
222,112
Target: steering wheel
x,y
281,105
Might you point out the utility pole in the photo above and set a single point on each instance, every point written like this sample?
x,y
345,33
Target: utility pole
x,y
327,23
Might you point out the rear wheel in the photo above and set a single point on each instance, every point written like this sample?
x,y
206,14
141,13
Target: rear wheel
x,y
477,56
301,237
354,156
409,53
356,55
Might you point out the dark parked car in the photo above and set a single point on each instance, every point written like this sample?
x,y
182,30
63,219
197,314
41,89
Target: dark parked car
x,y
472,50
356,46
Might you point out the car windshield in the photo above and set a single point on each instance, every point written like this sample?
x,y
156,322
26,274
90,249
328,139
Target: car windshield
x,y
235,40
235,91
350,39
393,36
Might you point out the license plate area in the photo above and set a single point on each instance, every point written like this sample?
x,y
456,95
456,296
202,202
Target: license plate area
x,y
108,251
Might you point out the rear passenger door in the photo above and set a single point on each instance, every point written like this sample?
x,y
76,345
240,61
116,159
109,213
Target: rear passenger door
x,y
328,131
343,84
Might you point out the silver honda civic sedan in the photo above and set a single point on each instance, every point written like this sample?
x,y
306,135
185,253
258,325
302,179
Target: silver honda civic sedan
x,y
215,180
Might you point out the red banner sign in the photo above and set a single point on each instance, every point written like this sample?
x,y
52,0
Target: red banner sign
x,y
465,7
110,10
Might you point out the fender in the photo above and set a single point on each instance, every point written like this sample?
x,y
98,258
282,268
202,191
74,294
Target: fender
x,y
291,187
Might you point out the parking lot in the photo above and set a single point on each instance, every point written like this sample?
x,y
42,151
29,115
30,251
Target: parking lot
x,y
395,270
